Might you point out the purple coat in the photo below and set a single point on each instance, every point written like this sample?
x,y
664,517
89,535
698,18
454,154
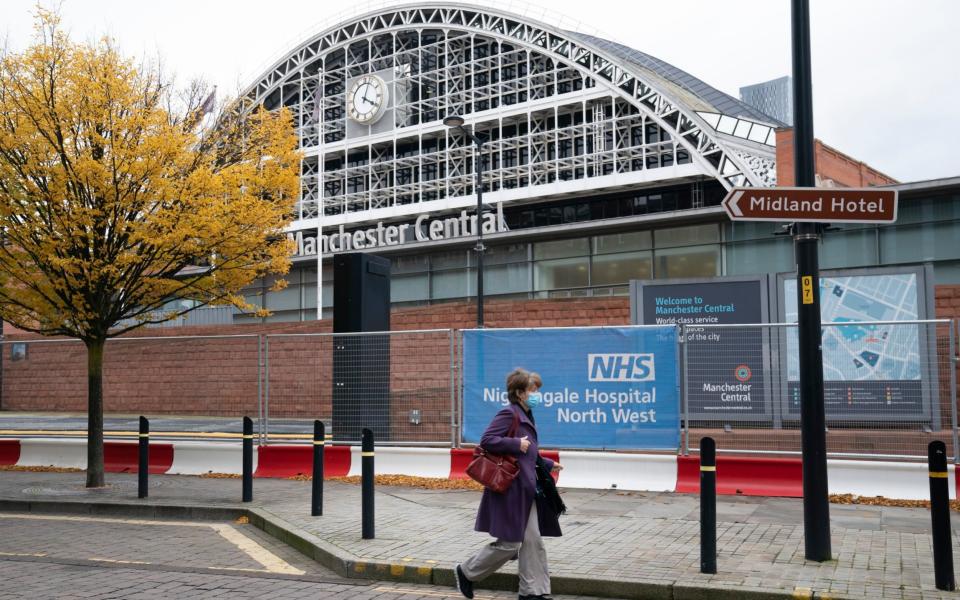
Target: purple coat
x,y
504,516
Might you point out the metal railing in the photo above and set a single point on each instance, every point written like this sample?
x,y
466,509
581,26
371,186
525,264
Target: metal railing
x,y
890,387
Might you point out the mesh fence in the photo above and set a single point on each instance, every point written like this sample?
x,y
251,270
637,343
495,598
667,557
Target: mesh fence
x,y
398,384
889,387
182,383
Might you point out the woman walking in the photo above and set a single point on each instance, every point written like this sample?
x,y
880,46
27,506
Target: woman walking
x,y
518,517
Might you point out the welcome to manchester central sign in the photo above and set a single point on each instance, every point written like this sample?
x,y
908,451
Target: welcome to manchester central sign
x,y
423,229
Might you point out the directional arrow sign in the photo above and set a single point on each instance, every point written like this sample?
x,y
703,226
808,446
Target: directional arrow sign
x,y
813,205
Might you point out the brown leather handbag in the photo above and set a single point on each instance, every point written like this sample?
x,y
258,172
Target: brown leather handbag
x,y
495,471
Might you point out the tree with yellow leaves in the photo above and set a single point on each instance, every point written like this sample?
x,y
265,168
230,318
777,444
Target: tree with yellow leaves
x,y
118,194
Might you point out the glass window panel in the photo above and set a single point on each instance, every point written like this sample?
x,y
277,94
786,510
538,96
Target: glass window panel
x,y
561,273
448,260
942,208
286,299
308,297
308,275
617,269
328,294
726,124
693,261
759,133
561,248
506,279
407,288
685,236
772,255
919,243
508,253
751,230
852,248
451,284
409,264
622,242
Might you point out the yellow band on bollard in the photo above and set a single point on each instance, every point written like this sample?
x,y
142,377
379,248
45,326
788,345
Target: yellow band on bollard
x,y
705,468
144,435
248,437
938,474
366,454
318,442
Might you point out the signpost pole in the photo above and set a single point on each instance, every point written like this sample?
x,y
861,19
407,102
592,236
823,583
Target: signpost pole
x,y
816,507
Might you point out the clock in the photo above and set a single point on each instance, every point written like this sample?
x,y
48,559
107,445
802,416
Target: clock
x,y
367,99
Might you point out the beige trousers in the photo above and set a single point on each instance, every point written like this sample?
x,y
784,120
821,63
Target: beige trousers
x,y
534,577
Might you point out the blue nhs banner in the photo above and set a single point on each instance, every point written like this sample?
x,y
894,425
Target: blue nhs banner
x,y
610,387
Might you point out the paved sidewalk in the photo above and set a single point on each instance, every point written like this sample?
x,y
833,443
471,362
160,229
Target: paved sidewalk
x,y
618,544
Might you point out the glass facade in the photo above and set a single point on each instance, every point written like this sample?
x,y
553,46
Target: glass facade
x,y
927,231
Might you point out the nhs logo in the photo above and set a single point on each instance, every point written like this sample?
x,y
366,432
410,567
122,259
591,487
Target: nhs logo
x,y
621,367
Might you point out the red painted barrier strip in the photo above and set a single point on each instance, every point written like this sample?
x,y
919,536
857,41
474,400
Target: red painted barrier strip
x,y
294,460
123,457
9,452
748,476
461,457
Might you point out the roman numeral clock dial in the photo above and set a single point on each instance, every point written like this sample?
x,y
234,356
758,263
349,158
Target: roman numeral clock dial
x,y
367,99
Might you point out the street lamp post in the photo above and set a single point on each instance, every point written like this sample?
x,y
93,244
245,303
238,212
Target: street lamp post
x,y
456,122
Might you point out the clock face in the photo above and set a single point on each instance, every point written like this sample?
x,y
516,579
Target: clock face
x,y
367,99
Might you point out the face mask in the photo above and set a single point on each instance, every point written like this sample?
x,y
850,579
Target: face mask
x,y
534,399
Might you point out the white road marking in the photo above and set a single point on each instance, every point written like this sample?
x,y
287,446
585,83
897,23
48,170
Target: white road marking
x,y
269,560
100,520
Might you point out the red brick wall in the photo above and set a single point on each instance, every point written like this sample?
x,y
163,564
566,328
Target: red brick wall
x,y
829,164
219,376
947,301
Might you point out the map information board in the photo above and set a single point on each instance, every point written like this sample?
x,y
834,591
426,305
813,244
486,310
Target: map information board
x,y
871,372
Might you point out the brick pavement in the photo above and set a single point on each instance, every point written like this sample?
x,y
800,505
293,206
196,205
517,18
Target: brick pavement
x,y
645,543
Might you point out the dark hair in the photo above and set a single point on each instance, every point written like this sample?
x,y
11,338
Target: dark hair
x,y
517,381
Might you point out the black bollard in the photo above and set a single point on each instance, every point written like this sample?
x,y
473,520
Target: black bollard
x,y
708,505
940,516
366,483
143,468
316,501
247,459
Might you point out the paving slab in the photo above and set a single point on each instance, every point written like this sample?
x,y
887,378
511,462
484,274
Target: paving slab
x,y
615,543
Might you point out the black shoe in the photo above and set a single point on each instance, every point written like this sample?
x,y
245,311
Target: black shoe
x,y
464,585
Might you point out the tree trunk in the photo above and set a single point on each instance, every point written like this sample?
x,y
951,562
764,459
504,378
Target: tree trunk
x,y
95,413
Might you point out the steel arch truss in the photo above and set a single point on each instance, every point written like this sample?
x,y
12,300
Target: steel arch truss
x,y
731,163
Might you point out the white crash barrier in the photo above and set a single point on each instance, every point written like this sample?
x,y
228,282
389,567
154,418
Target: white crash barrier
x,y
199,458
606,470
53,452
402,460
900,480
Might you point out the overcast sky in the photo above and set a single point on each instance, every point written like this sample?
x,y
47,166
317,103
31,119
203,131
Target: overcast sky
x,y
885,72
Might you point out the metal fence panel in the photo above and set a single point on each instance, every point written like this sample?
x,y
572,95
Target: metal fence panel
x,y
399,383
182,383
889,387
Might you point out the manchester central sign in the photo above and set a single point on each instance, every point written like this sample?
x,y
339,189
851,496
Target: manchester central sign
x,y
423,229
818,205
